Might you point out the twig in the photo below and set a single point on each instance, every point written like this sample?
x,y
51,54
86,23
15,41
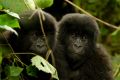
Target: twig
x,y
49,52
11,49
25,53
42,18
40,14
117,72
79,8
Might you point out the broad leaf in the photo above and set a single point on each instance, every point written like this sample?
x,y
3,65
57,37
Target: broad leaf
x,y
17,6
12,14
1,7
9,29
115,32
8,20
44,3
31,70
15,71
43,65
30,4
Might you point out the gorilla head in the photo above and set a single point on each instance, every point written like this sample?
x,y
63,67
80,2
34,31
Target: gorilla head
x,y
79,32
31,38
78,56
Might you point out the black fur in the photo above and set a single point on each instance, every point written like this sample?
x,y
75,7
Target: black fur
x,y
25,39
29,25
94,63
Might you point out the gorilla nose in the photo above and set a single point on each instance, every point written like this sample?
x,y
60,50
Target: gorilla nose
x,y
78,43
40,45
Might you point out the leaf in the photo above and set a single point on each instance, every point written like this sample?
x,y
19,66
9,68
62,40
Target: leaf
x,y
0,55
30,3
1,7
8,28
43,65
115,32
7,21
12,14
5,50
17,6
13,78
31,71
43,3
15,71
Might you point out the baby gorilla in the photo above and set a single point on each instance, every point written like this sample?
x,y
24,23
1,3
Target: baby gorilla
x,y
78,57
30,38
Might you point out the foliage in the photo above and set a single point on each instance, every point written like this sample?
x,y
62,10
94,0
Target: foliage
x,y
116,65
43,65
12,66
19,6
8,20
44,3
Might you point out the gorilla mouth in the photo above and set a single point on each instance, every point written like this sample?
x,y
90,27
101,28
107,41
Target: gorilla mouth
x,y
38,48
78,50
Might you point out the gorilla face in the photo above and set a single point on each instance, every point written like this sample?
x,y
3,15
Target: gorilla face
x,y
34,41
76,43
31,38
38,43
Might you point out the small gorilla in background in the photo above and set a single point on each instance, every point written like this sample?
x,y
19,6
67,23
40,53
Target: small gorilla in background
x,y
78,57
31,39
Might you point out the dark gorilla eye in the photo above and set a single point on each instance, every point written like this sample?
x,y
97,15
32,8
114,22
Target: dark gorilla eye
x,y
37,33
84,39
73,35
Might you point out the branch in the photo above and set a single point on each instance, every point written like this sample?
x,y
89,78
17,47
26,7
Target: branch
x,y
79,8
42,18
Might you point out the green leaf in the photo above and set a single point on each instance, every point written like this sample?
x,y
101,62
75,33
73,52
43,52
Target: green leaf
x,y
43,3
5,49
1,7
7,70
17,6
44,65
12,14
8,20
0,55
32,71
9,29
13,78
15,71
115,32
30,3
